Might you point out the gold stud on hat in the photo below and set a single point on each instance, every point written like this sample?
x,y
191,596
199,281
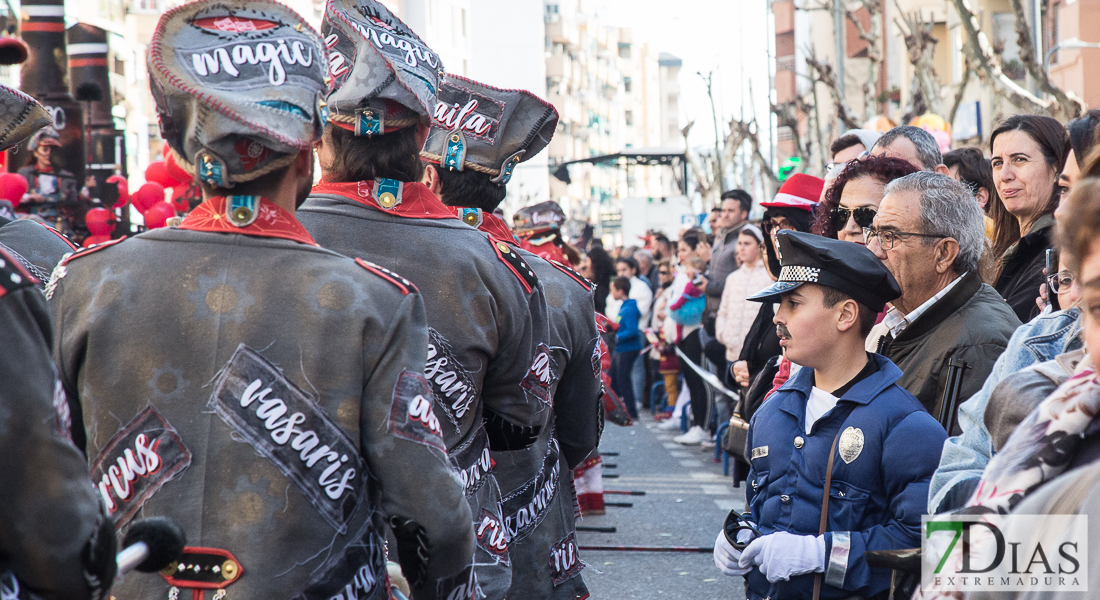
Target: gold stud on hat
x,y
387,200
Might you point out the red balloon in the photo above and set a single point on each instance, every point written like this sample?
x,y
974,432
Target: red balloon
x,y
12,187
175,171
123,190
158,173
147,195
158,214
100,221
92,240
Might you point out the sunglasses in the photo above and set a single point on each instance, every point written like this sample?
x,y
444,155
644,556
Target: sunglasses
x,y
864,216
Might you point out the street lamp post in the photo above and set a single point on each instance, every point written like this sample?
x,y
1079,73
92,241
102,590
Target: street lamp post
x,y
1070,44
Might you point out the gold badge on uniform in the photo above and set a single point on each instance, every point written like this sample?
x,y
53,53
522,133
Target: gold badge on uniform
x,y
851,444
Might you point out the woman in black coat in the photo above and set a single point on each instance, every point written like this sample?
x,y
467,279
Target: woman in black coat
x,y
1029,152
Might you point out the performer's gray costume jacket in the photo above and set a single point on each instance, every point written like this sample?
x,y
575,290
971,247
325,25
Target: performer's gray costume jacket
x,y
50,518
486,317
268,395
36,246
537,483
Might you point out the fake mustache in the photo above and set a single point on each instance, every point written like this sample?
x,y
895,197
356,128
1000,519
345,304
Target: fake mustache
x,y
782,331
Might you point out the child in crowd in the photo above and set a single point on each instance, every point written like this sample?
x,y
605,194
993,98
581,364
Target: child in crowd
x,y
841,455
696,285
628,344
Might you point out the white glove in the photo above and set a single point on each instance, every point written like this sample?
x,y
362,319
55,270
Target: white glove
x,y
783,555
726,556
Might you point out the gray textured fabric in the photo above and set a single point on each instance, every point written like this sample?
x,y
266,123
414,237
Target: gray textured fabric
x,y
375,58
485,326
539,510
161,334
238,87
494,129
1017,395
48,512
42,247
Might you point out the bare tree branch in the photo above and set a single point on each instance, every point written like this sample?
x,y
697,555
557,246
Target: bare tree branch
x,y
921,46
989,68
960,93
827,76
1070,104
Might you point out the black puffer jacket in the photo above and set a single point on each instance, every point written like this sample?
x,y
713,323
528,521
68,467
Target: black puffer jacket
x,y
1022,270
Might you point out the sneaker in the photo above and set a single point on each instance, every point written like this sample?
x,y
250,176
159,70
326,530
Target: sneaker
x,y
707,444
669,424
693,437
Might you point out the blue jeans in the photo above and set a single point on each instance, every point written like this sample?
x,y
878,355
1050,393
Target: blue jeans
x,y
621,365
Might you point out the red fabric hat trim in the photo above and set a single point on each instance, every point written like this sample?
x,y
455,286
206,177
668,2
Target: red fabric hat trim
x,y
272,222
800,191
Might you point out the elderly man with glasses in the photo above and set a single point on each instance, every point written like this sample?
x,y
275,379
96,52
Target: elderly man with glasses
x,y
929,233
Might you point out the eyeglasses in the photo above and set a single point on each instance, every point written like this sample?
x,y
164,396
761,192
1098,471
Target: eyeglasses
x,y
864,216
1060,281
889,238
776,225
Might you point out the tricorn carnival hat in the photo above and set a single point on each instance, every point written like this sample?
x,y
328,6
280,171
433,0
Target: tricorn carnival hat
x,y
487,129
544,216
239,87
384,77
799,191
848,267
20,117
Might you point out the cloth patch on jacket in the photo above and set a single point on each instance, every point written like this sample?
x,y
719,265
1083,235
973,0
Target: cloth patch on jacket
x,y
565,564
359,573
460,586
542,374
472,461
137,462
411,416
450,381
525,508
284,424
491,536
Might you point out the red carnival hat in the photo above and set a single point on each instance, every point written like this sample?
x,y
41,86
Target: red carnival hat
x,y
800,191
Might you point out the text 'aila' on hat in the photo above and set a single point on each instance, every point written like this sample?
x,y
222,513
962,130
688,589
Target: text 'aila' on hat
x,y
20,117
847,267
487,129
384,77
239,87
537,218
800,191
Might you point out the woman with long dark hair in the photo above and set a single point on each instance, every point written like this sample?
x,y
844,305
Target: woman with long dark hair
x,y
1029,152
851,202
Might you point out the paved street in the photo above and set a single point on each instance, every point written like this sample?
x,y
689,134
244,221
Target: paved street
x,y
687,497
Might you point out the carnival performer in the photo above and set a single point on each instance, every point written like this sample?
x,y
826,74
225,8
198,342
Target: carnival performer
x,y
538,228
55,537
812,516
266,394
465,158
486,314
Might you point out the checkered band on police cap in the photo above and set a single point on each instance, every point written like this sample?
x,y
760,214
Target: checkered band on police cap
x,y
487,129
384,77
239,87
20,117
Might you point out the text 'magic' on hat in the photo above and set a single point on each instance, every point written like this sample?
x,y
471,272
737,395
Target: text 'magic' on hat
x,y
487,129
384,77
239,87
799,191
847,267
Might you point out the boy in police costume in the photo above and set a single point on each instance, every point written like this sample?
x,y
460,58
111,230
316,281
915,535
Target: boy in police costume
x,y
485,311
840,455
464,159
266,394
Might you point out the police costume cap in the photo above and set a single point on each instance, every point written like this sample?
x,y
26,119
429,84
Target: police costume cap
x,y
239,87
543,216
20,117
487,129
800,191
848,267
384,77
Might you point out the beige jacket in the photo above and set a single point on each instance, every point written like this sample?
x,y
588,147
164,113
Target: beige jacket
x,y
735,314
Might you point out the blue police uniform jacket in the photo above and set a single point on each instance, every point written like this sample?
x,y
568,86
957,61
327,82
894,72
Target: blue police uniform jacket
x,y
877,497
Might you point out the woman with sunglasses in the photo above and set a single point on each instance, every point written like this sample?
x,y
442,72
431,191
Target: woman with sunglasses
x,y
851,202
